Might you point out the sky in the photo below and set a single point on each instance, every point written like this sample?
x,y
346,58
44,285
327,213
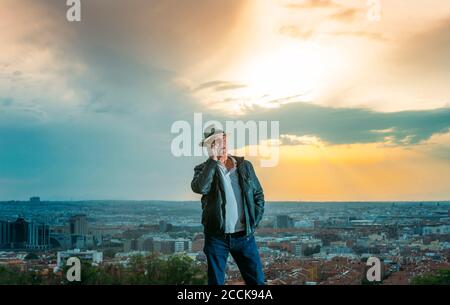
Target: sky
x,y
363,102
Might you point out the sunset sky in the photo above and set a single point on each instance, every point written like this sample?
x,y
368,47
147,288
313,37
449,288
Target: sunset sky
x,y
86,107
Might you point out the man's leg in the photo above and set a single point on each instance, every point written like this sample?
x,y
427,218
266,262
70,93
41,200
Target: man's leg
x,y
216,250
246,255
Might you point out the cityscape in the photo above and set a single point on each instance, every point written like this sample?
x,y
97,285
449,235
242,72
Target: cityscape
x,y
300,243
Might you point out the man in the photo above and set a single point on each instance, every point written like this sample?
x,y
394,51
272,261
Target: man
x,y
233,205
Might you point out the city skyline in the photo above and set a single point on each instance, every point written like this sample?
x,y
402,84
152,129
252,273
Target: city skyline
x,y
360,92
300,243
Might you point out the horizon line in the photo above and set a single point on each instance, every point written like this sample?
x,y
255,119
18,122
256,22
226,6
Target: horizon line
x,y
267,201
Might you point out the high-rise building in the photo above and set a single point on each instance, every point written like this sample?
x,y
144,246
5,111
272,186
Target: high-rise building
x,y
182,245
5,234
307,247
130,245
283,221
38,236
164,226
145,243
21,234
78,224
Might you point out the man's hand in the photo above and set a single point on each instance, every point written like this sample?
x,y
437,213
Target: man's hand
x,y
215,147
213,152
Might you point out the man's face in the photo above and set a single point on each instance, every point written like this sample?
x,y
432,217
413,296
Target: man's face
x,y
220,144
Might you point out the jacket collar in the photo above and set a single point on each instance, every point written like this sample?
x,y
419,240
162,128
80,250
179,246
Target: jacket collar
x,y
239,160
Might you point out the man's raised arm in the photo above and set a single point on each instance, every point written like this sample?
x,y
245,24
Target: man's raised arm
x,y
203,176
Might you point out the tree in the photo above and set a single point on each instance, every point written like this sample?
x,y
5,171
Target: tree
x,y
31,255
176,270
14,276
442,277
142,270
181,270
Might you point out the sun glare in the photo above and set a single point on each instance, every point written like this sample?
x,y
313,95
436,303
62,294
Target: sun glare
x,y
291,72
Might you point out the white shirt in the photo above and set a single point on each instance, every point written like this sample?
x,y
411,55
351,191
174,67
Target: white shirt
x,y
234,208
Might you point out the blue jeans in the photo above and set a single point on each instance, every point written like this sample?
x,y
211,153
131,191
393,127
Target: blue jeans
x,y
244,251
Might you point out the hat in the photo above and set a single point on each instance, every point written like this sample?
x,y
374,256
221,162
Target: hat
x,y
209,133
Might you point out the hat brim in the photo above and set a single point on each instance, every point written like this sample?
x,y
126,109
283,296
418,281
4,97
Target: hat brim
x,y
207,140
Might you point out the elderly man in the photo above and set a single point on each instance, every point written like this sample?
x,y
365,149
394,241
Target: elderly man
x,y
233,205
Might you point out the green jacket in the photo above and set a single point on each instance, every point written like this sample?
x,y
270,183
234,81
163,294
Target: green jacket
x,y
207,182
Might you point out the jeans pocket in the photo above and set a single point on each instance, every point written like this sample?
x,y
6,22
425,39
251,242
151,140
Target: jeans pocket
x,y
246,239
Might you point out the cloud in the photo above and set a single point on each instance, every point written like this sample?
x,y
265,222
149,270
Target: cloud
x,y
404,71
306,34
362,34
346,15
383,131
122,56
86,108
219,86
342,14
287,139
295,32
425,53
170,33
358,172
312,4
352,125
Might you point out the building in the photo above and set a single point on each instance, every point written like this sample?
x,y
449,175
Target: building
x,y
21,234
338,248
307,247
145,243
35,199
5,234
60,240
170,246
130,245
182,245
82,241
78,225
91,256
440,230
283,221
164,226
14,234
38,236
